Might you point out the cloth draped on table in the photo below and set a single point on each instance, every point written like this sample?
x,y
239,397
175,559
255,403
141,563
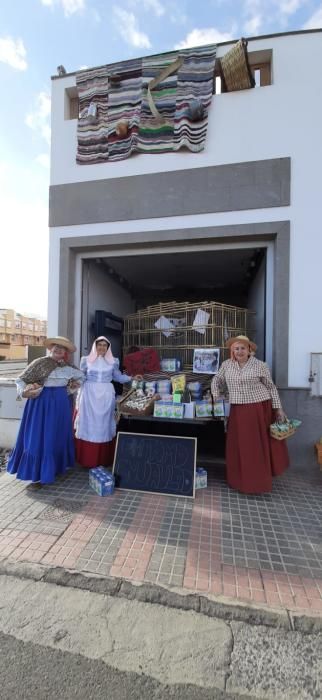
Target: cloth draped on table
x,y
253,457
126,99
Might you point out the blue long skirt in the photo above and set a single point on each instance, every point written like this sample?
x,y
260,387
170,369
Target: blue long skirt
x,y
45,443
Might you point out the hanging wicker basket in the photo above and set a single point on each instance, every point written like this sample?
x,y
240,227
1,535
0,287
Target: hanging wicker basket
x,y
235,70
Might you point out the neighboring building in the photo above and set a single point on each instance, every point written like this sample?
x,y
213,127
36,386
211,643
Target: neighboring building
x,y
238,222
18,331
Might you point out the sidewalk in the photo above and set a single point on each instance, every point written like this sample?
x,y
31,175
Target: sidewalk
x,y
262,550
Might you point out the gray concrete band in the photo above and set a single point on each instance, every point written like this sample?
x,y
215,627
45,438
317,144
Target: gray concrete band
x,y
234,187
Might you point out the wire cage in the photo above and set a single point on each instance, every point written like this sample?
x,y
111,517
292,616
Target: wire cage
x,y
179,336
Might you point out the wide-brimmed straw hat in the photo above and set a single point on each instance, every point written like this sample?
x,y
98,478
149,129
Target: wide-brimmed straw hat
x,y
241,339
60,340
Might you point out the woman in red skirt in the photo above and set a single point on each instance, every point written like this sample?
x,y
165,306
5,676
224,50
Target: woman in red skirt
x,y
253,457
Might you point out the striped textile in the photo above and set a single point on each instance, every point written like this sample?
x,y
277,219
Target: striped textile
x,y
195,80
155,137
92,139
124,103
99,142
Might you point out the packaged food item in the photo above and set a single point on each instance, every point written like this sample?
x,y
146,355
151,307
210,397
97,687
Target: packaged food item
x,y
101,481
203,409
170,364
219,408
189,409
164,386
178,383
150,388
165,409
195,389
201,478
176,397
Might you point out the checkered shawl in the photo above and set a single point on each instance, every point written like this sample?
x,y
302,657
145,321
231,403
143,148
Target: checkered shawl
x,y
249,384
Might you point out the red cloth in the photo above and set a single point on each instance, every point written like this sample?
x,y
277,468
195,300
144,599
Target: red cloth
x,y
253,457
94,454
141,362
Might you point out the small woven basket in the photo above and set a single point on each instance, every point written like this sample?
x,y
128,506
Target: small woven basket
x,y
235,69
148,409
279,435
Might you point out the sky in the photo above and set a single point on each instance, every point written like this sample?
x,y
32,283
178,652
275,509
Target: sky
x,y
38,35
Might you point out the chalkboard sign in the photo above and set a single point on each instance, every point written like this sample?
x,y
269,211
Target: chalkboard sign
x,y
155,463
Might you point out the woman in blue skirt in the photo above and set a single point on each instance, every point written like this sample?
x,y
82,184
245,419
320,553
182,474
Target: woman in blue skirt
x,y
45,442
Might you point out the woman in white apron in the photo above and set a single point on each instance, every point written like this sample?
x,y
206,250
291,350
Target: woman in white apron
x,y
95,420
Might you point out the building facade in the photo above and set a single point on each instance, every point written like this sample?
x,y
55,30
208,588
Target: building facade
x,y
238,222
17,332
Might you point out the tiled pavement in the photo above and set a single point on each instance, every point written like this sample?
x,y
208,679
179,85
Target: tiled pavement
x,y
261,549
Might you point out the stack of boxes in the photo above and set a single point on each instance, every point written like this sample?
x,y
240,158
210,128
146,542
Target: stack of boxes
x,y
101,481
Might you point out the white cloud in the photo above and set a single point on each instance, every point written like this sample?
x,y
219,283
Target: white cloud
x,y
315,21
199,37
38,120
70,7
127,25
13,52
153,5
253,25
43,159
289,7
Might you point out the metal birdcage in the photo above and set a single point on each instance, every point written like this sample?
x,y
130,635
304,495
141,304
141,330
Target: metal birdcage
x,y
178,336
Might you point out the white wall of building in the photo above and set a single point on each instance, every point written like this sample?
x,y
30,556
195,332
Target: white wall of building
x,y
281,120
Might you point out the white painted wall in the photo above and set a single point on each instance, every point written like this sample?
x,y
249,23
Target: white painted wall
x,y
280,120
100,292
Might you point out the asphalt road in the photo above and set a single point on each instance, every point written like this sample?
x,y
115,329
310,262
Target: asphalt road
x,y
29,671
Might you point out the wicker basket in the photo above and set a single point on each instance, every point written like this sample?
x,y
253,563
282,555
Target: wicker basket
x,y
235,70
278,434
130,411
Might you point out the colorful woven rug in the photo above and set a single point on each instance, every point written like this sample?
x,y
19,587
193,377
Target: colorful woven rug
x,y
126,99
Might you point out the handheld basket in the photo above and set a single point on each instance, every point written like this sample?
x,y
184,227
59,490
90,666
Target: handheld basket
x,y
282,431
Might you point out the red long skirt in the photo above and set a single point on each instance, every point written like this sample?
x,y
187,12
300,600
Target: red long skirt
x,y
253,457
94,454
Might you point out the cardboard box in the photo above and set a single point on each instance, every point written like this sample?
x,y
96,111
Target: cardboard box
x,y
189,409
204,409
219,408
201,478
166,409
101,481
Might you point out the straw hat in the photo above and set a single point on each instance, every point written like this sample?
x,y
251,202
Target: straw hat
x,y
60,340
241,339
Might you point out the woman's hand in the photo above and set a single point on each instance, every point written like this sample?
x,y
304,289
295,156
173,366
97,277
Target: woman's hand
x,y
31,391
281,417
138,377
73,386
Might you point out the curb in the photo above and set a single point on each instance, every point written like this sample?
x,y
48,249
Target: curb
x,y
160,595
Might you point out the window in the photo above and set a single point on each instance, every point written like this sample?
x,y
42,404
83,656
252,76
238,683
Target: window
x,y
17,324
260,63
1,322
8,324
30,326
71,107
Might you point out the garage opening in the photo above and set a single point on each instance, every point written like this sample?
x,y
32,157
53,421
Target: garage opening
x,y
123,285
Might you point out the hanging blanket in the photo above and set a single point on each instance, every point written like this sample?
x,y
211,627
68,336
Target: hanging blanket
x,y
157,119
